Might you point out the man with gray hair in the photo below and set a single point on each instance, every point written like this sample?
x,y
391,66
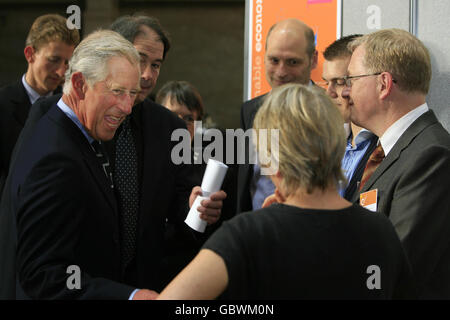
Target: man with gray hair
x,y
153,194
63,202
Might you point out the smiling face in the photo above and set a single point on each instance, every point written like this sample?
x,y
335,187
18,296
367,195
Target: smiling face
x,y
108,102
151,50
286,59
47,65
333,72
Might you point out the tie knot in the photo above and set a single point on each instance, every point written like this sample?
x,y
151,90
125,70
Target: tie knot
x,y
378,153
126,122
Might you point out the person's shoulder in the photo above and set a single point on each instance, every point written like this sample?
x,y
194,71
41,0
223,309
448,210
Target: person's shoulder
x,y
369,221
11,91
359,211
42,105
257,101
435,133
10,86
426,131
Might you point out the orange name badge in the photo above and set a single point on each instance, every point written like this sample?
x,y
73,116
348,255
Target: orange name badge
x,y
368,199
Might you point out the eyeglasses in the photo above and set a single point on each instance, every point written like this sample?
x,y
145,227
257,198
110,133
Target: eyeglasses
x,y
120,93
336,82
348,79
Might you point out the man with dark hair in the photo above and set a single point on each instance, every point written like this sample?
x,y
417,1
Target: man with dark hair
x,y
137,30
159,203
48,48
289,58
360,142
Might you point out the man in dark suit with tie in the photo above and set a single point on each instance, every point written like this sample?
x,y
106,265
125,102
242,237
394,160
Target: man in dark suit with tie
x,y
49,46
162,188
388,79
289,58
62,194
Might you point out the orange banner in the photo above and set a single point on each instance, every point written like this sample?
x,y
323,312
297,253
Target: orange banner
x,y
321,15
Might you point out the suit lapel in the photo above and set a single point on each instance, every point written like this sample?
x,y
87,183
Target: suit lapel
x,y
88,154
22,103
425,120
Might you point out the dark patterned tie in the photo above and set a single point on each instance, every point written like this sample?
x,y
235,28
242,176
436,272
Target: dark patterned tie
x,y
126,179
372,164
103,158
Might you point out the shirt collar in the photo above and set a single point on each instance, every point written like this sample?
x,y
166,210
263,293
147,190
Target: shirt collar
x,y
32,94
394,132
72,116
348,130
363,135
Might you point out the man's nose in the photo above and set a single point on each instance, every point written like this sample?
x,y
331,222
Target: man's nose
x,y
281,70
126,103
331,91
346,92
62,69
146,73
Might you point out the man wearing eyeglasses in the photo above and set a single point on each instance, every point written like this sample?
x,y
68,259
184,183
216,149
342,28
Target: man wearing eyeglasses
x,y
388,79
360,142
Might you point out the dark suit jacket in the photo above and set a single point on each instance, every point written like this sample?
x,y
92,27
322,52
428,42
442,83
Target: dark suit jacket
x,y
14,107
413,183
245,171
165,190
8,234
65,214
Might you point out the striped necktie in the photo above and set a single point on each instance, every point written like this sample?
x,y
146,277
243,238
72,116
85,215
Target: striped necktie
x,y
102,157
372,164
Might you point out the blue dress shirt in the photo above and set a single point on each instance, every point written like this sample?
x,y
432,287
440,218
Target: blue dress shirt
x,y
353,155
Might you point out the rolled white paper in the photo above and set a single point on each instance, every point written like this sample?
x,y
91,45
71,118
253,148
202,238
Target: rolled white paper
x,y
193,218
213,178
212,182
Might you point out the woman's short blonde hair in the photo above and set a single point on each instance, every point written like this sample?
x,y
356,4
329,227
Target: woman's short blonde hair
x,y
311,137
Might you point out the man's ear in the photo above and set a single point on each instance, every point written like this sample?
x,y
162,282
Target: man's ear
x,y
386,84
29,53
79,85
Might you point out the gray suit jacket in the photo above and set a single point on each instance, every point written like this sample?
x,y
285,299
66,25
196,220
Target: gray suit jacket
x,y
413,183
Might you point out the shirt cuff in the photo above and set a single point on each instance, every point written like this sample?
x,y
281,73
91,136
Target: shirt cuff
x,y
132,294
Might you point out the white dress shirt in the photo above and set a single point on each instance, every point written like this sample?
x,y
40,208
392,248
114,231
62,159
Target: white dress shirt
x,y
395,131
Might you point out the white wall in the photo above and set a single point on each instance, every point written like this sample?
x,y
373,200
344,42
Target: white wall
x,y
433,25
